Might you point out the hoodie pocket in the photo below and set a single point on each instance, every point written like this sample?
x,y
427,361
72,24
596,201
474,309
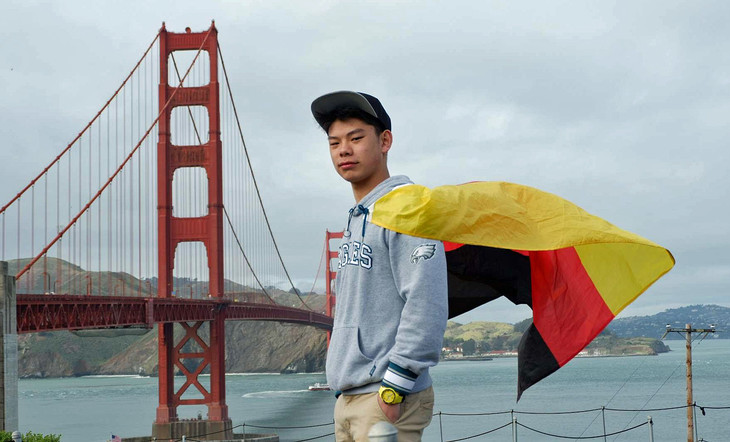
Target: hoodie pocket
x,y
347,366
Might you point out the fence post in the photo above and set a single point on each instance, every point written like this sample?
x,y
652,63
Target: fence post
x,y
441,428
651,429
17,437
514,425
694,418
603,414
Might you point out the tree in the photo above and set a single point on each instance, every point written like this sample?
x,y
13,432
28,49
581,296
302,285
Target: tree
x,y
499,341
484,346
469,347
523,325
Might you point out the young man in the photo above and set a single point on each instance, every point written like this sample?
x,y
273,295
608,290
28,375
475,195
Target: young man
x,y
391,288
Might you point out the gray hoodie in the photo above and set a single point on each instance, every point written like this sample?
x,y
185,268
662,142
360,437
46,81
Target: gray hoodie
x,y
391,306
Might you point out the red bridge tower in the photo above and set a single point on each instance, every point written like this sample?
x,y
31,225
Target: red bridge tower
x,y
207,229
330,276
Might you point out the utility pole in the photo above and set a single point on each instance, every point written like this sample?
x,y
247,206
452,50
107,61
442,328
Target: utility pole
x,y
687,331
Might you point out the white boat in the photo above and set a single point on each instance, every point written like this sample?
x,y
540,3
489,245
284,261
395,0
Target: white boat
x,y
317,386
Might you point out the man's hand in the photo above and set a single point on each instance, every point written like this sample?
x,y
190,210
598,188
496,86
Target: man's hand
x,y
392,412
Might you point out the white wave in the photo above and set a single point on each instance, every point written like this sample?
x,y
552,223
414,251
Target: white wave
x,y
254,374
275,393
131,376
275,374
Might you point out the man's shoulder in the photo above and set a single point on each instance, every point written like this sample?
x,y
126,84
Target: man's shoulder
x,y
416,247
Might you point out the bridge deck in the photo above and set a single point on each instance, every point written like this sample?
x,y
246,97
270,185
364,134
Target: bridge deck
x,y
38,313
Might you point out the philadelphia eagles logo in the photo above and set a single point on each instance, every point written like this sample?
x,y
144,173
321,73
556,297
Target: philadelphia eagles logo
x,y
424,251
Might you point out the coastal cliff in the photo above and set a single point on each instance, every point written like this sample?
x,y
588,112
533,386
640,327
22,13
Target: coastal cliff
x,y
251,347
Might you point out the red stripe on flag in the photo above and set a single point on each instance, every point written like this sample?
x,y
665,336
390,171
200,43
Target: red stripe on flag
x,y
567,308
449,246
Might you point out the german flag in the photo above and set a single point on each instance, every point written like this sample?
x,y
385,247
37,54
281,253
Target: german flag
x,y
575,270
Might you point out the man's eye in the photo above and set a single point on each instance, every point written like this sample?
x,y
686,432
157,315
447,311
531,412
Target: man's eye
x,y
356,138
335,144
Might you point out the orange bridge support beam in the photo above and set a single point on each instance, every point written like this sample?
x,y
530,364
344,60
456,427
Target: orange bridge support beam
x,y
207,229
330,275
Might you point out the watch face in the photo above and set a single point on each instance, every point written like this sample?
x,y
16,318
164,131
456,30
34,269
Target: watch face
x,y
388,396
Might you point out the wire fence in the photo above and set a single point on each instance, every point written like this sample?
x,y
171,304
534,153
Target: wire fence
x,y
514,424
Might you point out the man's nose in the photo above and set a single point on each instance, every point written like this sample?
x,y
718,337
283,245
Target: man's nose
x,y
345,149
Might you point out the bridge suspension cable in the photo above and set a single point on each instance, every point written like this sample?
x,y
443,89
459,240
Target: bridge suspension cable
x,y
196,184
83,131
124,201
320,265
46,204
268,230
234,242
93,223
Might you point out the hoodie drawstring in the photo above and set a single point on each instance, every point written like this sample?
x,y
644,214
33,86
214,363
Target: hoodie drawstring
x,y
365,211
360,209
349,218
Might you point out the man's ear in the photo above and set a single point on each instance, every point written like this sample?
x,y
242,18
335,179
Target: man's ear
x,y
386,140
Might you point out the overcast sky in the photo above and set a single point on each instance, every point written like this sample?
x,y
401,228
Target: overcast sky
x,y
621,108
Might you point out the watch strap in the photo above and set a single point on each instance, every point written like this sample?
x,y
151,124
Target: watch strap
x,y
390,396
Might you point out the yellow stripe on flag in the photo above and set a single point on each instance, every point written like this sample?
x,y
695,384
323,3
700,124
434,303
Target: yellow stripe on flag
x,y
495,214
623,271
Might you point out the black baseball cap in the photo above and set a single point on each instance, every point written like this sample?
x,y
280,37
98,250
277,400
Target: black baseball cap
x,y
326,104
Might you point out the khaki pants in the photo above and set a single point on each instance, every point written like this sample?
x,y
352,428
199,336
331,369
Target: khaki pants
x,y
355,414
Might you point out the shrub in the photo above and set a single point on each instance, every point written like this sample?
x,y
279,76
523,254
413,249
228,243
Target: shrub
x,y
31,437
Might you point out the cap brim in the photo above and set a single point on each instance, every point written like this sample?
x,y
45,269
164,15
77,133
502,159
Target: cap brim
x,y
324,105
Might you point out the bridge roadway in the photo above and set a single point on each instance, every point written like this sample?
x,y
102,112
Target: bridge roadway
x,y
37,313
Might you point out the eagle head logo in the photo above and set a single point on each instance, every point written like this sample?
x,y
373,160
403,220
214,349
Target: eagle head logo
x,y
424,251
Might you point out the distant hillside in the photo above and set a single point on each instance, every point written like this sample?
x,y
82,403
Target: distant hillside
x,y
700,316
481,337
489,338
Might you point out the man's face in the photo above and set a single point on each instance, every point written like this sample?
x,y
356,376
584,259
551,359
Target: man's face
x,y
358,153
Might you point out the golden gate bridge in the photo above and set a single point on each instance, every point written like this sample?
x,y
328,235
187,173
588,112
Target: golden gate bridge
x,y
152,215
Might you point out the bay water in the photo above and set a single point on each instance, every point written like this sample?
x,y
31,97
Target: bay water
x,y
472,397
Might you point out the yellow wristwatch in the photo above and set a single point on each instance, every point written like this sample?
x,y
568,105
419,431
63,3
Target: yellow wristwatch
x,y
390,396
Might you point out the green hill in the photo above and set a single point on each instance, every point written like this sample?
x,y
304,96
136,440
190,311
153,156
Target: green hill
x,y
481,337
497,338
700,316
